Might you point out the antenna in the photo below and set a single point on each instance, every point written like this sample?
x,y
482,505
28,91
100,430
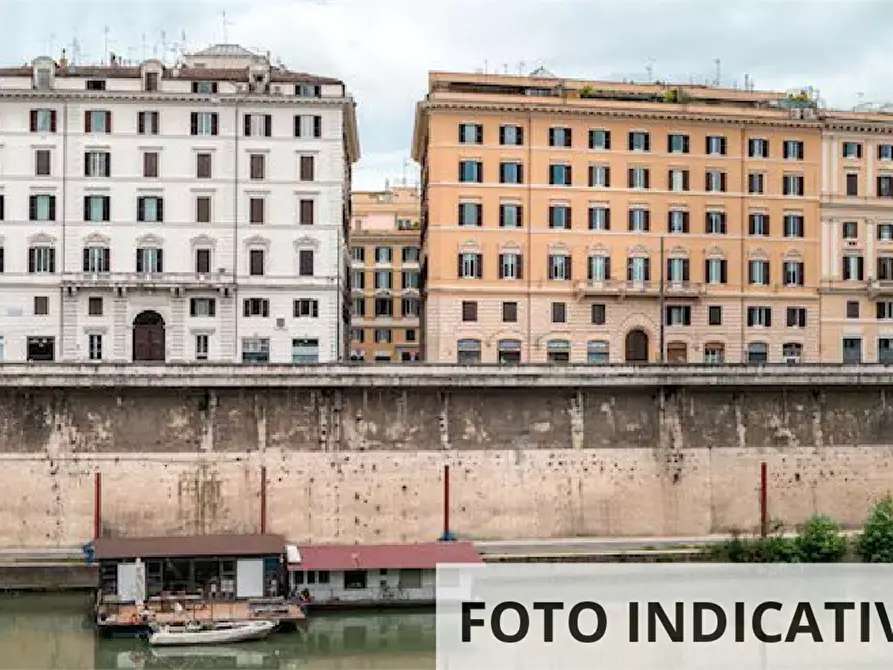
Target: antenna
x,y
521,65
649,69
225,24
105,44
718,78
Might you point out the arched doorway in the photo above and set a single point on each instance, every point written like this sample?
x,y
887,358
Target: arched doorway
x,y
148,336
636,346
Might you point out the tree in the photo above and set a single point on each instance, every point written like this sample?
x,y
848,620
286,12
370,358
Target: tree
x,y
875,545
820,541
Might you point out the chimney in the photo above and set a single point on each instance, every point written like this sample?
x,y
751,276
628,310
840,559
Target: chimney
x,y
114,60
63,62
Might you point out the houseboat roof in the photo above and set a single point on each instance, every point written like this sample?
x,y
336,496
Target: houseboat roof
x,y
109,548
422,556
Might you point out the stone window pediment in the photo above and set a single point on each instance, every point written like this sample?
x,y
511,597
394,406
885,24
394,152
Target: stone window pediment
x,y
758,255
306,242
513,247
203,241
256,241
150,240
679,252
41,239
96,240
559,248
639,250
470,246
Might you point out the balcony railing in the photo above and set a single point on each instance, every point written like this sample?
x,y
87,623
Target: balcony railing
x,y
683,289
210,280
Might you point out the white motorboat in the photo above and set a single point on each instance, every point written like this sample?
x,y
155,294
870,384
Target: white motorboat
x,y
222,633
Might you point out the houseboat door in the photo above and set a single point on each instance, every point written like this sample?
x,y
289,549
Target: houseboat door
x,y
250,578
132,582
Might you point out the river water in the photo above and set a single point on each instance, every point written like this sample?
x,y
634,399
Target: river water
x,y
55,631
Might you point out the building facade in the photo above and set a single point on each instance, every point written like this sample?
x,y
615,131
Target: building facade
x,y
857,237
189,213
385,276
605,222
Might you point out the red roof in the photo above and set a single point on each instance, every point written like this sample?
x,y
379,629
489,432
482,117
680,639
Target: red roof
x,y
384,556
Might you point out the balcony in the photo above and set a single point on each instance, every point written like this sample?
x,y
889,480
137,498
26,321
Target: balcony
x,y
147,280
600,287
880,287
683,289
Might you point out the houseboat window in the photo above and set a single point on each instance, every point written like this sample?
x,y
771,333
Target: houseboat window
x,y
410,579
154,583
322,577
383,572
311,577
355,579
299,576
108,577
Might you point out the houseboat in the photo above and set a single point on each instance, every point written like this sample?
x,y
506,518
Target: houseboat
x,y
174,580
374,575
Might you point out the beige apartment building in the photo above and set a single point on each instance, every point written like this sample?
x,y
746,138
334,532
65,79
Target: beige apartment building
x,y
857,237
607,222
385,276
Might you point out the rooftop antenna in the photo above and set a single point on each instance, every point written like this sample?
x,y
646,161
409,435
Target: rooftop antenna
x,y
649,69
105,44
143,46
718,77
163,45
225,24
405,165
521,66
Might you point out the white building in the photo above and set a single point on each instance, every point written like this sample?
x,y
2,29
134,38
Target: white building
x,y
194,212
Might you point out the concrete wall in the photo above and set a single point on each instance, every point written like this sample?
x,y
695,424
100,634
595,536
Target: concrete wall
x,y
366,464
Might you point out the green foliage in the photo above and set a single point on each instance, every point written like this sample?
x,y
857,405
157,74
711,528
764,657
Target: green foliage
x,y
587,92
773,548
820,541
875,545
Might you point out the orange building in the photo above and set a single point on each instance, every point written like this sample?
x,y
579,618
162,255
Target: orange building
x,y
606,222
385,276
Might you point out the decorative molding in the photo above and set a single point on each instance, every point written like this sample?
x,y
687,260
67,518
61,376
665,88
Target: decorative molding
x,y
203,240
96,240
41,238
256,241
306,241
150,240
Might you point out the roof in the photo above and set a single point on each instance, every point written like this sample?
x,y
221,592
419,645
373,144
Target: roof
x,y
384,556
106,548
224,50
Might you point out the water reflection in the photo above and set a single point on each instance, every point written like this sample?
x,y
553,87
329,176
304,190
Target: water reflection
x,y
56,632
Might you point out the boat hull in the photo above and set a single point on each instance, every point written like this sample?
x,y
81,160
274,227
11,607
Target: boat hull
x,y
255,630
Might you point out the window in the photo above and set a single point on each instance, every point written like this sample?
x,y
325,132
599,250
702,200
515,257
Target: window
x,y
885,152
559,312
97,121
203,123
357,335
150,209
150,164
793,150
599,268
758,225
885,268
308,90
793,273
597,352
256,262
41,305
308,126
203,261
258,125
94,306
203,166
147,123
677,144
468,352
306,308
2,208
43,120
151,81
716,145
714,353
509,312
305,263
203,209
384,255
560,137
852,150
511,135
559,267
853,268
600,139
793,225
677,221
599,218
758,273
383,336
852,350
638,269
715,223
885,349
796,317
358,254
306,212
41,348
639,141
256,166
714,315
852,309
256,350
560,175
202,307
97,164
471,266
510,266
41,260
792,184
411,280
471,214
850,230
885,186
715,181
384,307
510,172
678,315
558,351
639,220
755,182
97,260
509,352
204,87
358,279
598,314
201,347
409,255
256,210
758,148
638,177
852,184
149,260
471,133
560,217
97,208
511,215
471,171
42,162
677,180
677,269
469,311
256,307
759,317
757,353
94,346
884,231
600,176
359,307
410,306
42,208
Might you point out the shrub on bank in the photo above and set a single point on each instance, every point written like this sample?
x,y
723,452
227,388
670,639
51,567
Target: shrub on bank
x,y
875,545
821,540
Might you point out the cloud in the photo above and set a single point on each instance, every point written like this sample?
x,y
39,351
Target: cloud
x,y
383,49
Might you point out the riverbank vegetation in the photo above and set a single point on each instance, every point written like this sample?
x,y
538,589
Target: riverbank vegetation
x,y
820,540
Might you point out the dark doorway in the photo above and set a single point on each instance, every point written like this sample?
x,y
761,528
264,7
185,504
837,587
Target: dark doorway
x,y
41,348
148,337
636,347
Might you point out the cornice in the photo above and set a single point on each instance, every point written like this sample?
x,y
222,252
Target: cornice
x,y
190,98
857,127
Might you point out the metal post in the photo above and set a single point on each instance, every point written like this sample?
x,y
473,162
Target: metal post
x,y
764,498
662,269
263,499
447,535
97,506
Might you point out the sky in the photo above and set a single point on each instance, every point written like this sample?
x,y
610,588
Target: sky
x,y
383,49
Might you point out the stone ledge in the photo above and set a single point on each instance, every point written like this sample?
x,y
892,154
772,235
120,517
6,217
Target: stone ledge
x,y
77,375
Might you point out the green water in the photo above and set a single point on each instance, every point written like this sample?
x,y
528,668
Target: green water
x,y
55,631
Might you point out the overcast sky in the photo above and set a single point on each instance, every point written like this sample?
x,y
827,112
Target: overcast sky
x,y
383,49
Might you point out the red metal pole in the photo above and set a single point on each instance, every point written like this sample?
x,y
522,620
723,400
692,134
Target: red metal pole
x,y
447,535
764,501
263,499
97,505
